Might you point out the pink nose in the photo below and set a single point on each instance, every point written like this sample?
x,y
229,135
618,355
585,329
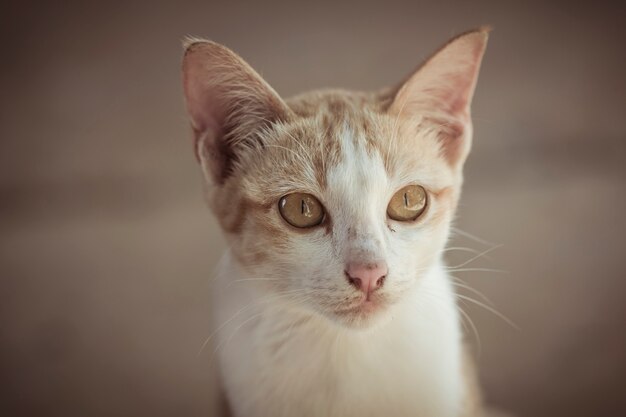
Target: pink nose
x,y
367,277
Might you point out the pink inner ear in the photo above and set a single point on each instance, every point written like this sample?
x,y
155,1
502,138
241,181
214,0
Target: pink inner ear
x,y
441,90
457,97
207,121
462,83
446,82
200,114
201,92
203,109
226,101
452,141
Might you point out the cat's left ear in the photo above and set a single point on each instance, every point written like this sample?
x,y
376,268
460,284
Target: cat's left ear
x,y
441,91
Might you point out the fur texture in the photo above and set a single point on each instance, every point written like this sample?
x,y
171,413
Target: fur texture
x,y
292,335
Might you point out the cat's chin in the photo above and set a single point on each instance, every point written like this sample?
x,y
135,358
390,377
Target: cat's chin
x,y
363,316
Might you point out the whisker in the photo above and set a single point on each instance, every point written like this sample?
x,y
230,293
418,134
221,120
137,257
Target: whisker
x,y
463,249
481,254
474,329
217,348
499,271
490,309
458,283
271,297
251,279
471,236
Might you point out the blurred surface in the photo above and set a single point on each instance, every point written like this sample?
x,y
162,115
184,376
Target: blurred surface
x,y
107,250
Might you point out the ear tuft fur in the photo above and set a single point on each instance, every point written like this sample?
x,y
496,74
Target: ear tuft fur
x,y
189,41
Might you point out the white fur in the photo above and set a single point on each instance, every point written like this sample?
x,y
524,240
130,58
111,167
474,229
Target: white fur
x,y
287,353
279,361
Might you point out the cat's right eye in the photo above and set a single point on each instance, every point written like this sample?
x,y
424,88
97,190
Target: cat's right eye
x,y
301,210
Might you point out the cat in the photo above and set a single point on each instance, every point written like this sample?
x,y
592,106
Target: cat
x,y
332,299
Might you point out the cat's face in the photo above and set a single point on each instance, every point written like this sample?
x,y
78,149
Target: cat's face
x,y
352,165
335,202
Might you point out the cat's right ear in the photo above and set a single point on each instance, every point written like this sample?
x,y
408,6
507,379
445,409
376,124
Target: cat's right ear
x,y
228,104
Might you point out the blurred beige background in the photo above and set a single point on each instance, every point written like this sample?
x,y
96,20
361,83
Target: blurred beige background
x,y
106,248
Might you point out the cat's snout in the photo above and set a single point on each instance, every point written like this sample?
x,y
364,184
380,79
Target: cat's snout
x,y
367,277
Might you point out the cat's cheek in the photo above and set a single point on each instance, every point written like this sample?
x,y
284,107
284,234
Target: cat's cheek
x,y
415,249
300,258
259,242
444,207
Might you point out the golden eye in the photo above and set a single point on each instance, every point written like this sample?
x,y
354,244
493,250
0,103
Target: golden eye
x,y
407,204
301,210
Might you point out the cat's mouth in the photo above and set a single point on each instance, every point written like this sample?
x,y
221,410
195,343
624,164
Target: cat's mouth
x,y
362,310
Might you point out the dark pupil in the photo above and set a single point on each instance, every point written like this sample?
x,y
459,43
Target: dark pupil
x,y
406,200
302,206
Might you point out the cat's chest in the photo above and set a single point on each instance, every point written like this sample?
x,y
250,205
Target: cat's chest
x,y
347,378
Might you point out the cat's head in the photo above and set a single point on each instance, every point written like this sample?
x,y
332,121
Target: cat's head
x,y
335,201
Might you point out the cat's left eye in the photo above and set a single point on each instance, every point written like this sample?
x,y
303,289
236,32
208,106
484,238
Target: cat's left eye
x,y
407,204
301,210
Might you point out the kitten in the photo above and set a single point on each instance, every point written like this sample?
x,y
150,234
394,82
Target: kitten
x,y
332,299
